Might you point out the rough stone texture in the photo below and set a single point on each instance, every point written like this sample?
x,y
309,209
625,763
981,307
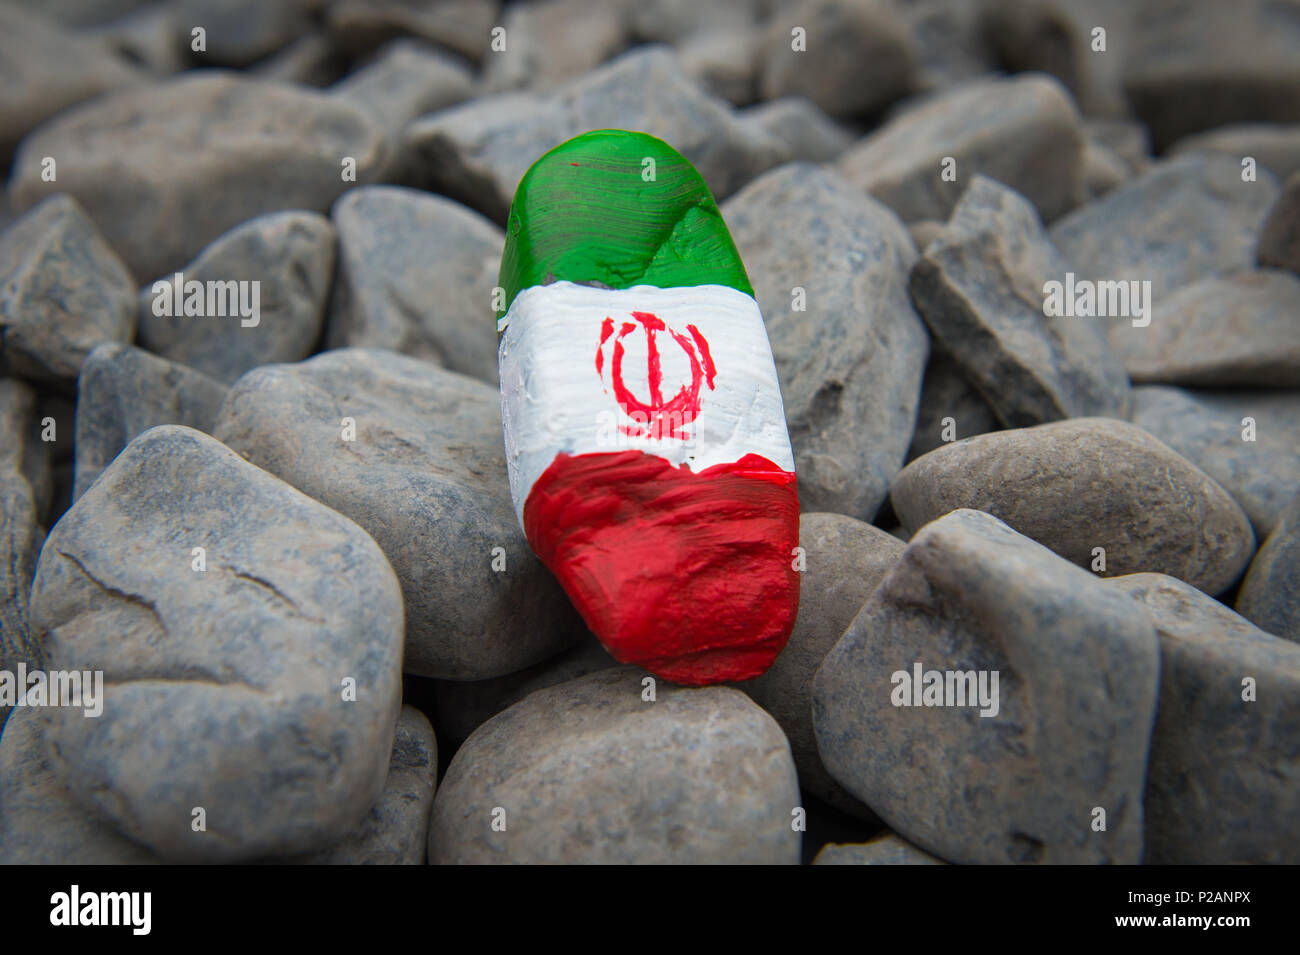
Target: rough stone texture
x,y
724,63
857,57
1022,130
945,393
141,160
1103,169
150,37
1275,147
426,475
1078,668
222,688
1086,483
311,60
62,291
395,245
23,451
47,70
673,21
21,537
590,772
1126,138
1206,427
950,46
552,41
124,391
240,32
1270,595
1185,219
846,560
464,26
888,849
477,153
979,287
291,255
799,127
850,364
1237,330
1279,239
81,13
1220,781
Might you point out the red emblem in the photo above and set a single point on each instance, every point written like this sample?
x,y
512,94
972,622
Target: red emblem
x,y
656,418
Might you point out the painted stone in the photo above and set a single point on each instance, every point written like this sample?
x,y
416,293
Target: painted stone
x,y
646,442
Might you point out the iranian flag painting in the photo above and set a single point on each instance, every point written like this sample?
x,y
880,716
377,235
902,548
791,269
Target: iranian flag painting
x,y
649,461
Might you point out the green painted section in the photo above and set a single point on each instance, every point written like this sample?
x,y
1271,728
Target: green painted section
x,y
585,213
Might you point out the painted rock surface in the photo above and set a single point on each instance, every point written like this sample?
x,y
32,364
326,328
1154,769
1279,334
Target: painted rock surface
x,y
645,436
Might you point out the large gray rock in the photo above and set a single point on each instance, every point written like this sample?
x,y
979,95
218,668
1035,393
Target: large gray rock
x,y
856,55
1270,594
62,292
143,164
1236,330
477,153
238,32
1021,130
262,689
124,391
552,41
592,772
945,393
980,288
24,449
463,26
425,473
290,255
888,849
845,562
415,275
1279,239
1210,429
1077,666
1275,147
1185,219
850,361
1086,483
802,130
1225,751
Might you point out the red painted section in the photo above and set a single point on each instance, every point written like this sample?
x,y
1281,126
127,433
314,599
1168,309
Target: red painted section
x,y
688,575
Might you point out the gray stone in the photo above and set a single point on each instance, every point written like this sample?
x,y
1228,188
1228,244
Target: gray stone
x,y
415,275
888,849
949,42
945,393
23,451
142,160
1103,170
553,41
21,537
1275,147
1086,483
1235,330
1270,594
672,21
1220,780
478,152
980,288
803,131
239,32
81,13
463,26
151,37
846,561
1022,130
1078,667
1279,239
62,292
224,689
1185,219
850,362
591,772
311,60
291,257
1126,138
857,56
1208,429
425,473
124,391
724,63
924,231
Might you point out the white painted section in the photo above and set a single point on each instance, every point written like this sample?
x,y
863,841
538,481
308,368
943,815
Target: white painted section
x,y
553,399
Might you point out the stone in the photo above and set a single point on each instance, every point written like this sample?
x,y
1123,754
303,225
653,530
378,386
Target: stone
x,y
23,451
62,291
945,393
888,849
1209,429
674,21
150,37
141,160
1279,239
850,351
950,46
463,26
310,60
21,537
1065,734
262,689
124,391
82,13
1237,330
240,32
1275,147
799,127
1086,483
1126,138
845,562
1103,169
980,288
724,63
1270,594
553,41
290,257
1022,130
1223,757
860,59
590,772
425,473
397,244
477,153
1185,219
